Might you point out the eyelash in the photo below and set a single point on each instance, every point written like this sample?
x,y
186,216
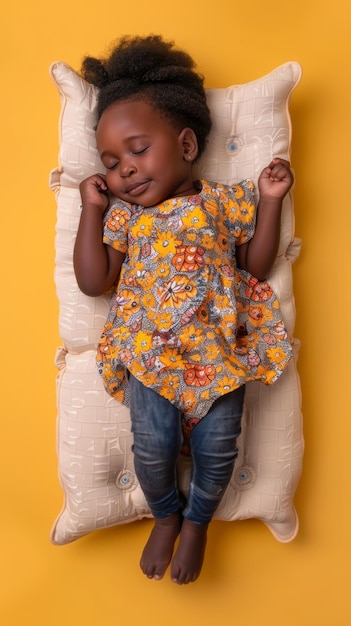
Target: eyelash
x,y
136,152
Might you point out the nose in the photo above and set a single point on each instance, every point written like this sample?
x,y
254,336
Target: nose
x,y
127,166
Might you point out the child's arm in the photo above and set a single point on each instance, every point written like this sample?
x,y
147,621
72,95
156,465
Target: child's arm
x,y
96,264
257,255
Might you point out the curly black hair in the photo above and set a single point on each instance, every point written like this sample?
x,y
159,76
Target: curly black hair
x,y
151,69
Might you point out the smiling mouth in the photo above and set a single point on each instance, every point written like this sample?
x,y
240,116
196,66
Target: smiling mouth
x,y
137,188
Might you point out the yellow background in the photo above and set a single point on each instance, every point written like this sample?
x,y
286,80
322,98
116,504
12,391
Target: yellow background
x,y
248,577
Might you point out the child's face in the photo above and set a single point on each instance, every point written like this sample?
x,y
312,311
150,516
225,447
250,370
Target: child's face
x,y
146,158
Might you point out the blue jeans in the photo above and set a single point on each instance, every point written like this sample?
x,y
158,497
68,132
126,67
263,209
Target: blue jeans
x,y
156,425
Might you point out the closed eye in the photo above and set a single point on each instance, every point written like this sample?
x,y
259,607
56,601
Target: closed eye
x,y
115,164
140,151
112,167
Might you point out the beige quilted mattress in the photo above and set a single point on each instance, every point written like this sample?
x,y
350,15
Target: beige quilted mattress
x,y
251,125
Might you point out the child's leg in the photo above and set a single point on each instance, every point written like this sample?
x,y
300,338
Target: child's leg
x,y
157,441
213,448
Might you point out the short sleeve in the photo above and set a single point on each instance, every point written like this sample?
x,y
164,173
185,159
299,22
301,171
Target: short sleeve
x,y
115,231
241,211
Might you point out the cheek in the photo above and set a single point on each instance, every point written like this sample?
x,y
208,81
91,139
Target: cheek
x,y
112,181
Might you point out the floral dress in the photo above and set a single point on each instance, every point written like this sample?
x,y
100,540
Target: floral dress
x,y
182,318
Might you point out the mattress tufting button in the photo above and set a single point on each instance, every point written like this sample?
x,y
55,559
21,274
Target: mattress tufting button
x,y
125,480
244,477
233,145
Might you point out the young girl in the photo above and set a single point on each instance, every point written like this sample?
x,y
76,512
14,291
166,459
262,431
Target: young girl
x,y
189,322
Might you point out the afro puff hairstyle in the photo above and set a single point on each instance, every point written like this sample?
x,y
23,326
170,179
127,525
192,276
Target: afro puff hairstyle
x,y
153,70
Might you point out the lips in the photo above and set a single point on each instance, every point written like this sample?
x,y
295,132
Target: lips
x,y
137,188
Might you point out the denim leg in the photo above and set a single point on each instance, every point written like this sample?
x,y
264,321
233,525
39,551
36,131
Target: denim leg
x,y
156,426
213,449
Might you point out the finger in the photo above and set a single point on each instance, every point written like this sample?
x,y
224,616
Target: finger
x,y
279,172
276,160
100,182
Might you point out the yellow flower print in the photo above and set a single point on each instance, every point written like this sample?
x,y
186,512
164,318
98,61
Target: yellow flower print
x,y
161,320
246,211
139,266
142,342
267,375
143,227
211,206
195,218
259,313
207,241
225,385
166,243
176,291
148,300
231,207
150,379
108,373
121,334
190,336
171,384
276,354
162,270
171,358
222,303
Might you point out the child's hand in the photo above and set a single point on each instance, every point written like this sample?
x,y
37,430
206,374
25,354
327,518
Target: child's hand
x,y
94,192
275,180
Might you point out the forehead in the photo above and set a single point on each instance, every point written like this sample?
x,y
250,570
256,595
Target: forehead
x,y
129,118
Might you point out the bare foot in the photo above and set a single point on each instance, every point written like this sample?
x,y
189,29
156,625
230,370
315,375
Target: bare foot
x,y
188,559
158,551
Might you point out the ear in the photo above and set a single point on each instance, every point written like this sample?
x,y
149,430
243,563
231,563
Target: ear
x,y
188,143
